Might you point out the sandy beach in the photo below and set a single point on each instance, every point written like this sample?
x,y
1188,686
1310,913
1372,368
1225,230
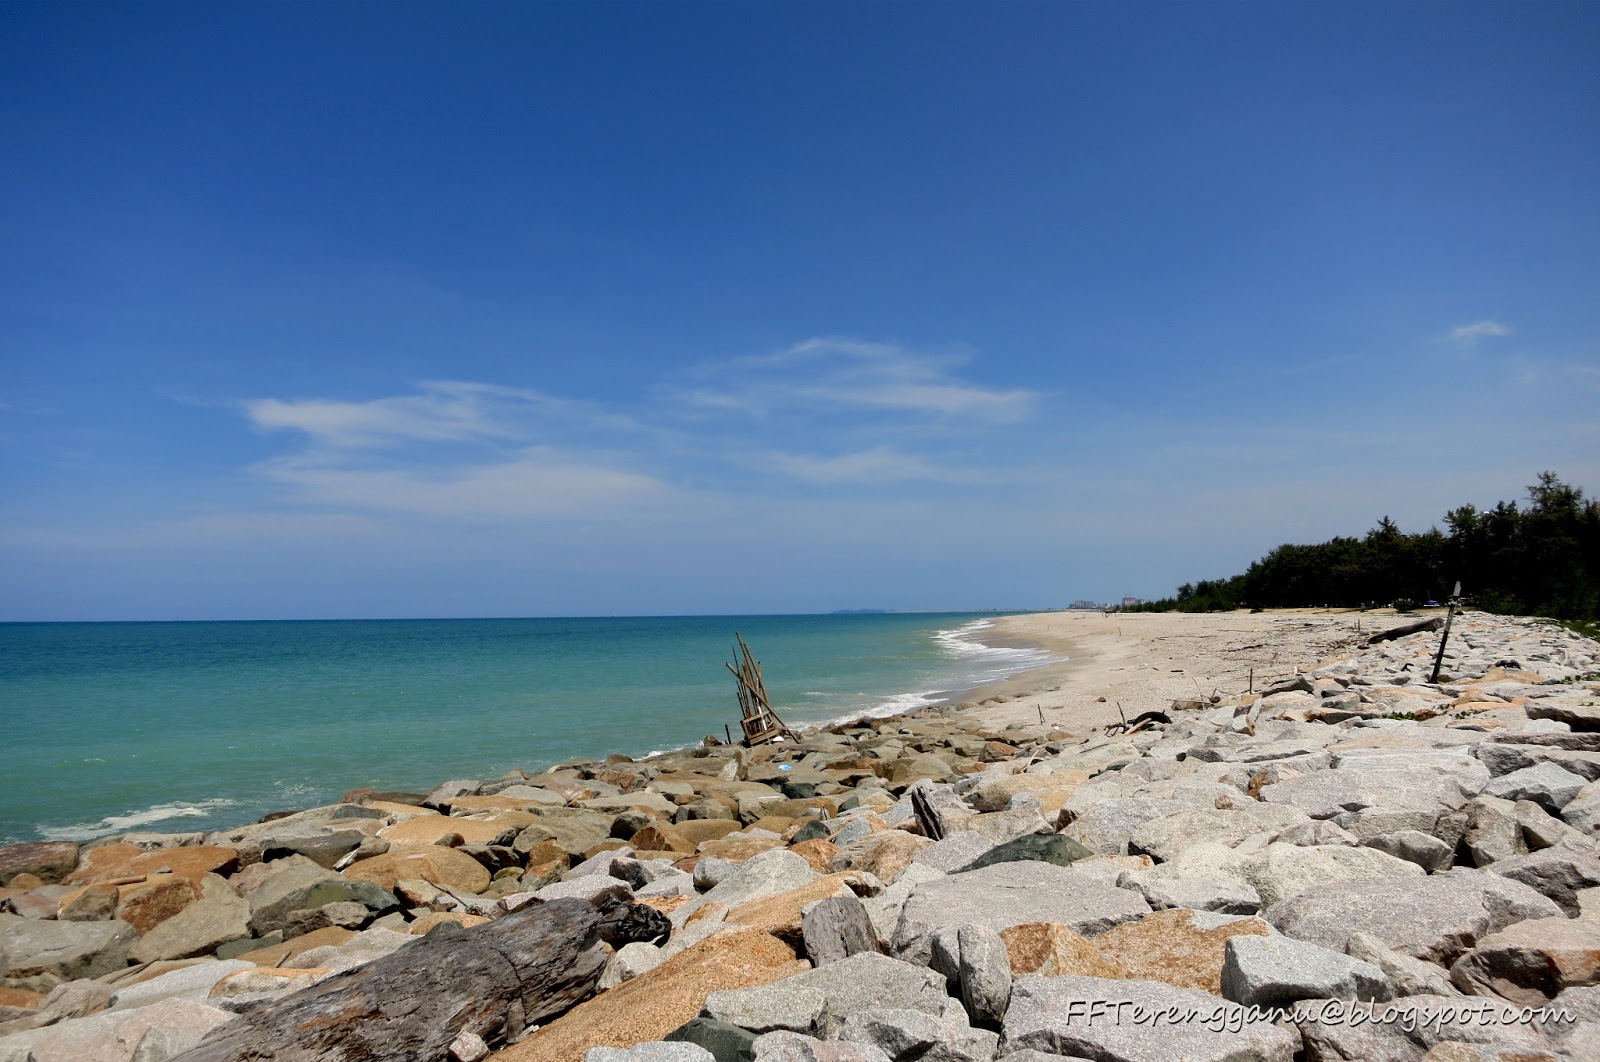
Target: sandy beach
x,y
1146,660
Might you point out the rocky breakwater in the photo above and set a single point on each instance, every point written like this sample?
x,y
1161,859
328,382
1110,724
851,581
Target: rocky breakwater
x,y
929,887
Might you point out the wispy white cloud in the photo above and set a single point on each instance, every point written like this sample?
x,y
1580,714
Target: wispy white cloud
x,y
827,375
876,466
1469,334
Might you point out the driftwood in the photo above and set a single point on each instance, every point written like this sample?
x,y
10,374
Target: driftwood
x,y
927,815
837,928
1411,628
494,980
760,723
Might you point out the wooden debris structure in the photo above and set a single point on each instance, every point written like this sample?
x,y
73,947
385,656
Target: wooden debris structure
x,y
760,723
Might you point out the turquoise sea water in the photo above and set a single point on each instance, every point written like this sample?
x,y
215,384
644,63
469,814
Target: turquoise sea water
x,y
109,727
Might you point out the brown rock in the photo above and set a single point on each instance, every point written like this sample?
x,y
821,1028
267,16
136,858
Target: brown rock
x,y
996,795
48,861
434,864
662,837
778,824
664,904
20,998
738,849
466,921
660,1000
89,903
885,854
798,809
389,807
462,804
278,954
609,845
432,829
146,904
1530,962
780,915
26,882
818,853
264,979
1168,946
1052,949
125,863
700,830
548,851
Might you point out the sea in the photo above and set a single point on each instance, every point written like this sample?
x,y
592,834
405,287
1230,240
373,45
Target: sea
x,y
177,727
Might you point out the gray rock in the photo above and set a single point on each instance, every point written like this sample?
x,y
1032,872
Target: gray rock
x,y
1009,894
1414,846
658,1051
76,999
984,974
1100,1019
711,871
767,874
1318,832
595,888
1540,829
1107,825
793,1047
900,1034
870,980
1164,889
359,950
1504,758
768,1008
1548,785
629,962
283,892
199,929
1410,977
1382,1033
1267,971
43,954
957,849
188,982
1492,832
727,1043
1040,847
1558,872
468,1046
1164,838
1436,917
155,1033
1324,794
1530,962
1279,872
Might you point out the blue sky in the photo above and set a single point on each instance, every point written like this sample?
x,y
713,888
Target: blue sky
x,y
516,309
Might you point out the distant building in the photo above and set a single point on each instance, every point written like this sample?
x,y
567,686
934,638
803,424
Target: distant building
x,y
1086,604
1130,602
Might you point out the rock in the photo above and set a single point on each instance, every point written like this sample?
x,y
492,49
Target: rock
x,y
1275,970
1436,917
1043,848
985,974
836,928
1557,872
1504,758
154,1033
911,1034
629,962
660,1000
1052,950
1009,894
105,862
1530,962
360,949
264,980
468,1047
1410,977
793,1047
768,874
884,854
1324,794
188,982
1095,1018
957,849
595,888
768,1008
1414,846
444,867
1405,1029
1546,784
1281,871
43,954
1492,832
727,1043
1166,889
869,980
49,861
1164,838
1540,829
997,794
1184,949
89,903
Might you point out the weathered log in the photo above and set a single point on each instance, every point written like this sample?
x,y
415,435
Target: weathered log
x,y
492,980
836,929
927,815
1411,628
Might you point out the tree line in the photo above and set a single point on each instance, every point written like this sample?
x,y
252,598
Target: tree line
x,y
1539,558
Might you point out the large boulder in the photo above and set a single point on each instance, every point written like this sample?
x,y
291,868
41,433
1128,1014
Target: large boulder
x,y
1281,871
1111,1021
49,861
199,929
1164,838
1180,948
1107,825
1009,894
1437,917
869,980
41,954
1531,962
434,864
1277,970
1558,872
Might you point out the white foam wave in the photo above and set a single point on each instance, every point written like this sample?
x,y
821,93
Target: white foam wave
x,y
85,831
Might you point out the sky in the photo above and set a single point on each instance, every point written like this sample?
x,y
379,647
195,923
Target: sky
x,y
481,309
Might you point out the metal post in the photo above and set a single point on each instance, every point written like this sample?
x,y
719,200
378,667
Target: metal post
x,y
1449,618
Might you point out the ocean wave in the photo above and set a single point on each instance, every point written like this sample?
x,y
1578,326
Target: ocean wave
x,y
132,820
